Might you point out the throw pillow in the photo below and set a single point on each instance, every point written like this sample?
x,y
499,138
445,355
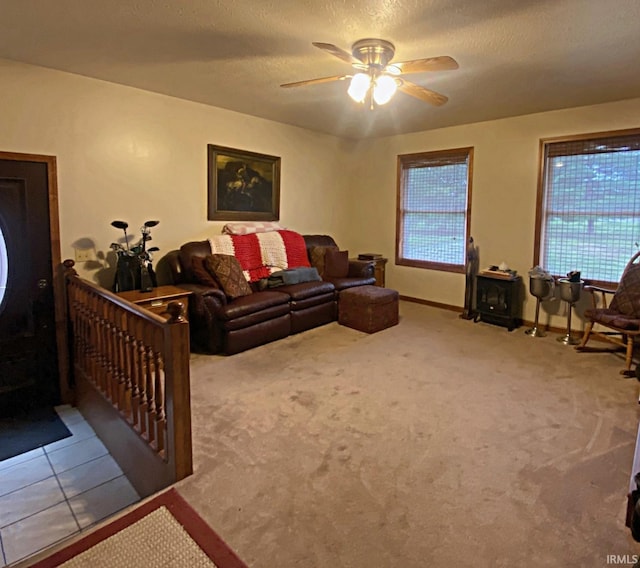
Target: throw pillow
x,y
317,255
201,274
336,263
226,269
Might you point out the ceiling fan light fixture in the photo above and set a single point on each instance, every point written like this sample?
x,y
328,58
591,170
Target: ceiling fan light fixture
x,y
376,79
384,88
359,87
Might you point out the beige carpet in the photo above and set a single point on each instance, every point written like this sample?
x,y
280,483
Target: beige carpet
x,y
438,442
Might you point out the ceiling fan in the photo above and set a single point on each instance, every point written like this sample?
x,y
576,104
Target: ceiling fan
x,y
376,78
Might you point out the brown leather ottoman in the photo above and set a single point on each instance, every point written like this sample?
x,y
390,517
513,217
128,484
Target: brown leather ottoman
x,y
368,308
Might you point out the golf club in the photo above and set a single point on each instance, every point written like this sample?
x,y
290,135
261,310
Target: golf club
x,y
124,226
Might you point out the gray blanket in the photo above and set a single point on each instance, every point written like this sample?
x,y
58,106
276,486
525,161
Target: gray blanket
x,y
293,276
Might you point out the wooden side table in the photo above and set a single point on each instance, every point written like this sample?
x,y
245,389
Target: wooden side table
x,y
379,264
379,270
158,299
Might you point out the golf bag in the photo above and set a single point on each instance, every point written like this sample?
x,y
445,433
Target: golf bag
x,y
133,273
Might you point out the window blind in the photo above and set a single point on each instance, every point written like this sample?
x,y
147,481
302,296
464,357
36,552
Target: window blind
x,y
433,208
591,206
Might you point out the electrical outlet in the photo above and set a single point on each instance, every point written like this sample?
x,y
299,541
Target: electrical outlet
x,y
85,255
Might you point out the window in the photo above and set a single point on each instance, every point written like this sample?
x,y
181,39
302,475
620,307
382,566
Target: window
x,y
588,215
434,202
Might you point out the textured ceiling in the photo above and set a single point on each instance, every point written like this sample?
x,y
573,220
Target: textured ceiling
x,y
515,56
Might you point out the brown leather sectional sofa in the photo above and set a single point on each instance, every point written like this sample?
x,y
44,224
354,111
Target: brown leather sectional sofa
x,y
220,325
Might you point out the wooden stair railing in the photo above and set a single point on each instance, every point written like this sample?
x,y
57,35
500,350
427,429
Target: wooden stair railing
x,y
131,374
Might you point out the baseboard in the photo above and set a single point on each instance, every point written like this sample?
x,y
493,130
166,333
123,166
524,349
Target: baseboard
x,y
452,308
431,303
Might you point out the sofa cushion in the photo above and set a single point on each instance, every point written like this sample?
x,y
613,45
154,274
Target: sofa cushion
x,y
336,264
607,316
200,272
256,302
260,317
228,273
306,303
349,282
307,289
317,257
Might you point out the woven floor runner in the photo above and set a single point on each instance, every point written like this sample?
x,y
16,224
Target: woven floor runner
x,y
163,532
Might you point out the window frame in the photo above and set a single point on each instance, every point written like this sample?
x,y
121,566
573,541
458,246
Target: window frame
x,y
406,161
545,143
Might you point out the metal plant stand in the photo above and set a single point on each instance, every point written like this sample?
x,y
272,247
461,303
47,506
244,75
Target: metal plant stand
x,y
539,288
570,293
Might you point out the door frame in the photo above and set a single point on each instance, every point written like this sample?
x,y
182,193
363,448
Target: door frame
x,y
57,273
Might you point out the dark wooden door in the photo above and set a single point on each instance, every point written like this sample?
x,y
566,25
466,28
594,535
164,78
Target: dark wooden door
x,y
28,350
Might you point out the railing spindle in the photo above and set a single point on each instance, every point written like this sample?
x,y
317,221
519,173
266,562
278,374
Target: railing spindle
x,y
136,361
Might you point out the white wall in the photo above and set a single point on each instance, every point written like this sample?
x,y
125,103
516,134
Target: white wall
x,y
128,154
505,177
124,153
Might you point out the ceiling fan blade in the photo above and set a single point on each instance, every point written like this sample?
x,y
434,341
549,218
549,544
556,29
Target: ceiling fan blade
x,y
423,94
315,81
442,63
336,51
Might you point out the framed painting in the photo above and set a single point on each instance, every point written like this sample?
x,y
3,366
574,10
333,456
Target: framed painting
x,y
242,186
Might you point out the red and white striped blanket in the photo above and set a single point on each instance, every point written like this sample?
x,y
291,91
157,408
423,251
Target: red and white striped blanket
x,y
261,254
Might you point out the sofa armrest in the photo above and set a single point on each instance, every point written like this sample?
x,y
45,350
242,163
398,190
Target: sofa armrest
x,y
361,269
204,305
204,291
171,264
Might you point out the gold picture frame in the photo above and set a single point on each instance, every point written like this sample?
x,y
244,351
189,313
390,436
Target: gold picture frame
x,y
242,185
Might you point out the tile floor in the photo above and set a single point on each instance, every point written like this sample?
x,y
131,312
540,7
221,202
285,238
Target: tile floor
x,y
56,491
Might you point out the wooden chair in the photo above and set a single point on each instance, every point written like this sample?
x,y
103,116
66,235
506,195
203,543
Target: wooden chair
x,y
621,315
